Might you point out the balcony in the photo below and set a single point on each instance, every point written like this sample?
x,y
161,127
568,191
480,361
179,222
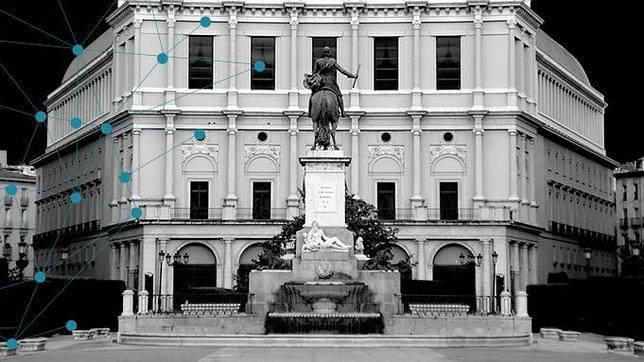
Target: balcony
x,y
585,237
196,213
636,222
444,215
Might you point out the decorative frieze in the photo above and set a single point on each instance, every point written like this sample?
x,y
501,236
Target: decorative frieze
x,y
210,151
396,152
271,151
438,151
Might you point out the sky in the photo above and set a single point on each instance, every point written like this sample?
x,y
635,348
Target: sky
x,y
602,38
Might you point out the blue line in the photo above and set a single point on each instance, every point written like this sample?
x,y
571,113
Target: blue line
x,y
17,85
67,21
60,159
99,22
68,283
40,334
27,309
32,44
155,24
162,154
17,110
14,284
196,90
185,36
35,27
30,141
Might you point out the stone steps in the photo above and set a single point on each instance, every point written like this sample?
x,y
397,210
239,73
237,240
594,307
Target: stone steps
x,y
326,341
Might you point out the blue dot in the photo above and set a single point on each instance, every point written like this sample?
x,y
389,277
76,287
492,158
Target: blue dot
x,y
136,212
162,58
11,189
40,277
75,197
200,134
106,128
12,343
259,66
205,21
125,177
77,49
40,116
75,122
71,325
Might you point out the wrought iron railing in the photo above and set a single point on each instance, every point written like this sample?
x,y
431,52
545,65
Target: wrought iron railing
x,y
244,213
189,213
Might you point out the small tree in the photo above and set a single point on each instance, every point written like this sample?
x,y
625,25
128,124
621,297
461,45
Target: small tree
x,y
362,219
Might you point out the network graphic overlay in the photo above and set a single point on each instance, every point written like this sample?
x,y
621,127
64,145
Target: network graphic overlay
x,y
105,129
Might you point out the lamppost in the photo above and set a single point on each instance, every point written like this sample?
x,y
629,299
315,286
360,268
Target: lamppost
x,y
4,262
588,253
495,258
171,260
23,259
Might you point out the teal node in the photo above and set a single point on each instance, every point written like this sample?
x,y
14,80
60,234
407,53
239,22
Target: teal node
x,y
40,277
11,189
71,325
77,49
12,344
259,66
162,58
40,116
205,21
125,177
136,212
75,122
75,197
106,128
200,134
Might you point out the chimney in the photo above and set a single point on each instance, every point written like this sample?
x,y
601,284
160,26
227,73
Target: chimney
x,y
3,158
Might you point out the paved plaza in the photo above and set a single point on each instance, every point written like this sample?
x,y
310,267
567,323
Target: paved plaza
x,y
589,349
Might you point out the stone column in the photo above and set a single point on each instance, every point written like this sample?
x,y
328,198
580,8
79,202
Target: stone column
x,y
293,200
479,198
128,303
123,262
136,174
355,23
136,97
532,259
115,262
162,267
416,95
525,203
228,262
513,165
230,201
416,201
422,264
115,180
512,87
232,46
521,303
521,86
486,270
355,154
293,95
168,196
523,250
478,58
533,181
116,73
515,266
143,302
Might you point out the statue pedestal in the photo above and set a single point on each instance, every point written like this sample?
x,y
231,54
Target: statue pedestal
x,y
324,185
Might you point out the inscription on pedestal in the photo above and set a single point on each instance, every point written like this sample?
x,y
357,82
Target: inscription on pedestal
x,y
326,200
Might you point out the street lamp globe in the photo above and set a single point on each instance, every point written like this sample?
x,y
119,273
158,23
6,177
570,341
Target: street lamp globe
x,y
495,257
588,253
637,249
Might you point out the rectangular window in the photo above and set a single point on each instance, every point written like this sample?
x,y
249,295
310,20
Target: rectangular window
x,y
320,42
200,58
386,200
198,200
448,62
636,191
449,200
262,49
624,192
385,51
261,200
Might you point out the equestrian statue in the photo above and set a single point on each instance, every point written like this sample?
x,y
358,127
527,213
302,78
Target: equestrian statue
x,y
325,104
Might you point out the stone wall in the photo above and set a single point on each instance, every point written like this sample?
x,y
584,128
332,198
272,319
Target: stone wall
x,y
178,324
469,326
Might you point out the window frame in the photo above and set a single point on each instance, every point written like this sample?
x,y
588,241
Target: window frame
x,y
212,68
440,68
334,48
270,66
376,86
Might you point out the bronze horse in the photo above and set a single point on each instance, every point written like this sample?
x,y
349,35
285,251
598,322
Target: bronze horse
x,y
325,114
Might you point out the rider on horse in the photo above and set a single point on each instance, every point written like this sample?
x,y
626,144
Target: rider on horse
x,y
326,68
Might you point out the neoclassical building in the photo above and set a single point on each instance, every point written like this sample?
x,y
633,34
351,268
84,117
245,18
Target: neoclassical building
x,y
470,129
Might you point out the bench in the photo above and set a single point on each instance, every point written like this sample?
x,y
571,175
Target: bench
x,y
550,333
4,351
619,344
210,308
569,336
435,310
83,335
100,332
32,344
638,348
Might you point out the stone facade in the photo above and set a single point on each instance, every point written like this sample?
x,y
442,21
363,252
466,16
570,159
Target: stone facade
x,y
522,139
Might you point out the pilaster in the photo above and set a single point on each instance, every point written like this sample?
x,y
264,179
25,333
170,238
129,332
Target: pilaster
x,y
230,201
